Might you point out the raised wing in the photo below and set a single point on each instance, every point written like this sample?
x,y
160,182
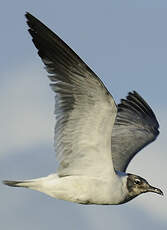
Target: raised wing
x,y
135,127
85,111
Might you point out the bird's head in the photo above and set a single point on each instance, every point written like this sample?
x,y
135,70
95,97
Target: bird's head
x,y
137,185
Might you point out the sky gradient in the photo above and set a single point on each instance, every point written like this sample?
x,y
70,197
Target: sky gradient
x,y
125,43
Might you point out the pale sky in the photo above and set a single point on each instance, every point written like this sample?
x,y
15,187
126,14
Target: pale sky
x,y
125,43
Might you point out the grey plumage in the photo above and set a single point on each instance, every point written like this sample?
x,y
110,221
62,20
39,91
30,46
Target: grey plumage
x,y
79,93
135,127
94,139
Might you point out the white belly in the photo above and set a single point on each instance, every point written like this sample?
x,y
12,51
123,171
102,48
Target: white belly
x,y
81,189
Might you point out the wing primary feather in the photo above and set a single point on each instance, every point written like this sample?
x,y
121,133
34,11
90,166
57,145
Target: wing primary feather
x,y
85,111
135,127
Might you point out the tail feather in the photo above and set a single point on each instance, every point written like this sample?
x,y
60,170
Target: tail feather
x,y
42,184
25,184
12,183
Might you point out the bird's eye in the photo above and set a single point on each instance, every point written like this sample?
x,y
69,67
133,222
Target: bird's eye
x,y
137,181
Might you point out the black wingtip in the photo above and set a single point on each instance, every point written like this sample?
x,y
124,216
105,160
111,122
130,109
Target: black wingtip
x,y
136,104
27,15
31,18
143,104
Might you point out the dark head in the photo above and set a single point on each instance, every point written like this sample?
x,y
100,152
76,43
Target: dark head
x,y
137,185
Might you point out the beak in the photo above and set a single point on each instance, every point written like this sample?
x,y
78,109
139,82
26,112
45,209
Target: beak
x,y
156,190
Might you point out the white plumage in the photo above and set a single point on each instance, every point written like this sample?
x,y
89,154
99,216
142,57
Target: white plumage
x,y
85,145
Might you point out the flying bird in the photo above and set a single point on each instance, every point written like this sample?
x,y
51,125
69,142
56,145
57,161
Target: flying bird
x,y
95,139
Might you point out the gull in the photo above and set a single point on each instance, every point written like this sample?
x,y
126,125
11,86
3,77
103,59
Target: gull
x,y
95,139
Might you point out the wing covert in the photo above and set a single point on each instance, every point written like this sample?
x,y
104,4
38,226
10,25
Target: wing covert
x,y
135,127
85,110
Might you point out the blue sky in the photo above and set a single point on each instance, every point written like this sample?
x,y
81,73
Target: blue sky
x,y
125,43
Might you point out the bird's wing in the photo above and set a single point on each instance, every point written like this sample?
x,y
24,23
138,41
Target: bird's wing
x,y
135,127
85,110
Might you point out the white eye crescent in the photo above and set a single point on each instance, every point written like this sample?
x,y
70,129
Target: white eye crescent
x,y
137,181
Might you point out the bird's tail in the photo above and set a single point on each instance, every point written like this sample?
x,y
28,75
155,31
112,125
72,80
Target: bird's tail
x,y
38,184
16,183
32,184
